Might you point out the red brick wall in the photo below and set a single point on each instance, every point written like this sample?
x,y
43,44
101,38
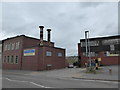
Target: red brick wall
x,y
37,62
12,52
29,42
30,62
57,62
106,60
111,60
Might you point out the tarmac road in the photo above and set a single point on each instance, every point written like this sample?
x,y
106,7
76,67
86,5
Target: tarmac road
x,y
35,80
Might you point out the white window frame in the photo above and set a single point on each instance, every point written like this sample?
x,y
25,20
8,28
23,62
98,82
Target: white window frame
x,y
17,46
13,46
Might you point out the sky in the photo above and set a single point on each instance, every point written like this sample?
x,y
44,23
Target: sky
x,y
68,21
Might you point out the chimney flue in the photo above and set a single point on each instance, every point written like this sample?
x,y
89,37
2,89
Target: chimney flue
x,y
41,34
49,34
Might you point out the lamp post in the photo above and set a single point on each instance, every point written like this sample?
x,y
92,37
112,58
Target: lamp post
x,y
87,43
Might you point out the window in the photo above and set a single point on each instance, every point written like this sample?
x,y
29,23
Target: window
x,y
5,47
4,59
8,47
112,53
17,45
59,54
8,59
16,60
84,53
48,53
12,59
110,41
12,46
112,48
92,54
91,43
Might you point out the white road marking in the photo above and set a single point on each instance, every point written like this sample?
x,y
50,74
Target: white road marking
x,y
15,80
28,82
39,85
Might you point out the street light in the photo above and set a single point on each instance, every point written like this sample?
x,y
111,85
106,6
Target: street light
x,y
87,43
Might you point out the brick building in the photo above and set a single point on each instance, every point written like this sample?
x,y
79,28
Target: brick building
x,y
28,53
106,49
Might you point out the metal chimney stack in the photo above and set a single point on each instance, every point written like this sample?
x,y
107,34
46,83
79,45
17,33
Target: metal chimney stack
x,y
49,34
41,34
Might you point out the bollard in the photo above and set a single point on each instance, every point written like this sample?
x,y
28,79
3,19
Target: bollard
x,y
110,71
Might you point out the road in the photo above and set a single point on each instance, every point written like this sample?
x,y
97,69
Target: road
x,y
35,80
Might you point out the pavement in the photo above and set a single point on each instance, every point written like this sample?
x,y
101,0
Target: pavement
x,y
101,74
62,78
78,73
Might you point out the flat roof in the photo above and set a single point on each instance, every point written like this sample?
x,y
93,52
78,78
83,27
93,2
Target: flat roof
x,y
107,37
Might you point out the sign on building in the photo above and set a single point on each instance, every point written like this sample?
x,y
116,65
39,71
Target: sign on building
x,y
29,52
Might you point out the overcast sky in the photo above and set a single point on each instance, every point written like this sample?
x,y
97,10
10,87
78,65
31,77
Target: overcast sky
x,y
68,21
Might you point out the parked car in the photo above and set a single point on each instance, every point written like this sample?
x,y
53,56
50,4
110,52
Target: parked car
x,y
70,66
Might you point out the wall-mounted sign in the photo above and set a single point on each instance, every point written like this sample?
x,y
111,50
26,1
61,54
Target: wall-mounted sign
x,y
113,55
99,59
29,52
49,65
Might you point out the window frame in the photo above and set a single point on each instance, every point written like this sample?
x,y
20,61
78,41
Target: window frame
x,y
48,53
59,54
8,59
4,61
16,58
12,59
17,45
